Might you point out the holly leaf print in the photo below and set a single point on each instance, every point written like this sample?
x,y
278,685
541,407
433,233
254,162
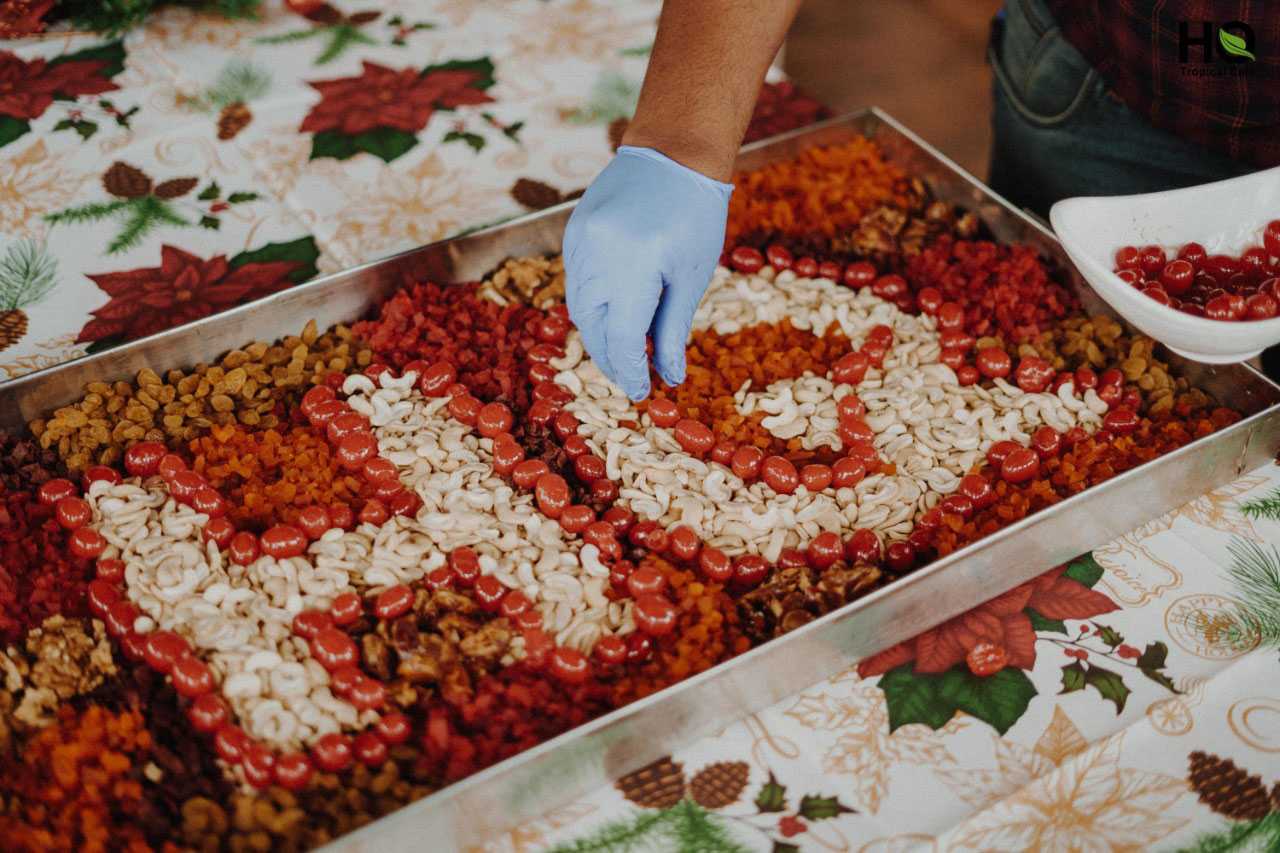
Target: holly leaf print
x,y
1107,683
784,847
475,140
1109,635
1072,678
772,796
820,808
1152,663
80,126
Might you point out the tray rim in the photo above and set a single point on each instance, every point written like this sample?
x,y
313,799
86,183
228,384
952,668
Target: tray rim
x,y
862,120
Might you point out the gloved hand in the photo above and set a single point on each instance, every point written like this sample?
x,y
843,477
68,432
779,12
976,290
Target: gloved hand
x,y
639,251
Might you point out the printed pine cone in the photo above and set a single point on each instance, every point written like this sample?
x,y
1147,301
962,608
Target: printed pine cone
x,y
617,128
658,785
13,325
718,785
1227,789
535,194
175,188
125,181
325,15
233,119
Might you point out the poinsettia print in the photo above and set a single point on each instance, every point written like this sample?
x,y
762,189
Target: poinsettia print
x,y
381,111
978,661
186,287
1003,622
28,88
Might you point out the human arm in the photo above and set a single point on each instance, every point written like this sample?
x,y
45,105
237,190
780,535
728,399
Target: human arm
x,y
644,240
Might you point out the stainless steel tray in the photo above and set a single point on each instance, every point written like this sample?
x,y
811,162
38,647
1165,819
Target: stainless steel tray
x,y
591,755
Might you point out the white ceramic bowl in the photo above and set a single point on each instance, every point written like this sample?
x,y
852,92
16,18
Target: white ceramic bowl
x,y
1227,217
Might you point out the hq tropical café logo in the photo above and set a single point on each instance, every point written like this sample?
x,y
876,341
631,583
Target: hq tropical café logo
x,y
1206,49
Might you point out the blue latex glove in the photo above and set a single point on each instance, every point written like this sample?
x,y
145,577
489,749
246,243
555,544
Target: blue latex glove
x,y
639,251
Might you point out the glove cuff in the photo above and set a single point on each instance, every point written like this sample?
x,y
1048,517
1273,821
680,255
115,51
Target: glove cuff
x,y
658,157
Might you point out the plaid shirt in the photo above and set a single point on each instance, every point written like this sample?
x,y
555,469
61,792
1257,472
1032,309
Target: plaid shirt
x,y
1136,46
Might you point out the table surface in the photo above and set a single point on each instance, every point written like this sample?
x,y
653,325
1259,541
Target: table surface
x,y
198,163
1139,679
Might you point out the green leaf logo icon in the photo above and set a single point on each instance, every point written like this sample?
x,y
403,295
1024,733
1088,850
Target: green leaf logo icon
x,y
1234,45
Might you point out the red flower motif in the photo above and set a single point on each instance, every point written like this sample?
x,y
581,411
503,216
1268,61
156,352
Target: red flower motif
x,y
27,88
1001,622
20,18
183,288
382,97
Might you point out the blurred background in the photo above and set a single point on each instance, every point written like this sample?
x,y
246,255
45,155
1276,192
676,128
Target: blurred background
x,y
923,61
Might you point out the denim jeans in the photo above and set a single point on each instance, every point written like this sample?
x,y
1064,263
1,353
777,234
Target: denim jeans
x,y
1060,132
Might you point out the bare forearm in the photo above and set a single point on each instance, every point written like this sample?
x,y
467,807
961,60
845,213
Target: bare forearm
x,y
708,61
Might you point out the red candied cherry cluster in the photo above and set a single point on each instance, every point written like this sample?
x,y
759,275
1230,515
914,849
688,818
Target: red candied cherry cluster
x,y
1219,286
1014,464
748,261
1031,373
779,473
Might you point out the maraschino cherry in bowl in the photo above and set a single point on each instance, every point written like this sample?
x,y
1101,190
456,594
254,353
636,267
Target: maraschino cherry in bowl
x,y
1219,302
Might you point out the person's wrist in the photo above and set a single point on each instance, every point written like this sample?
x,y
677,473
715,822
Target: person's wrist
x,y
688,149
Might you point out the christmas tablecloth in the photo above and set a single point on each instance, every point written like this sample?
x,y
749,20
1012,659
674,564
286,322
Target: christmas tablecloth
x,y
198,163
1132,703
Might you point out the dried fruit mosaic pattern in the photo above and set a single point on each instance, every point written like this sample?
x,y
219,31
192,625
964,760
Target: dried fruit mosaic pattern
x,y
352,567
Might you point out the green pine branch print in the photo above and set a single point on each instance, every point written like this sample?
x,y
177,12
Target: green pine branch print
x,y
285,38
141,215
91,212
612,97
237,82
1255,573
1260,835
27,272
340,37
685,827
693,828
618,836
1264,507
